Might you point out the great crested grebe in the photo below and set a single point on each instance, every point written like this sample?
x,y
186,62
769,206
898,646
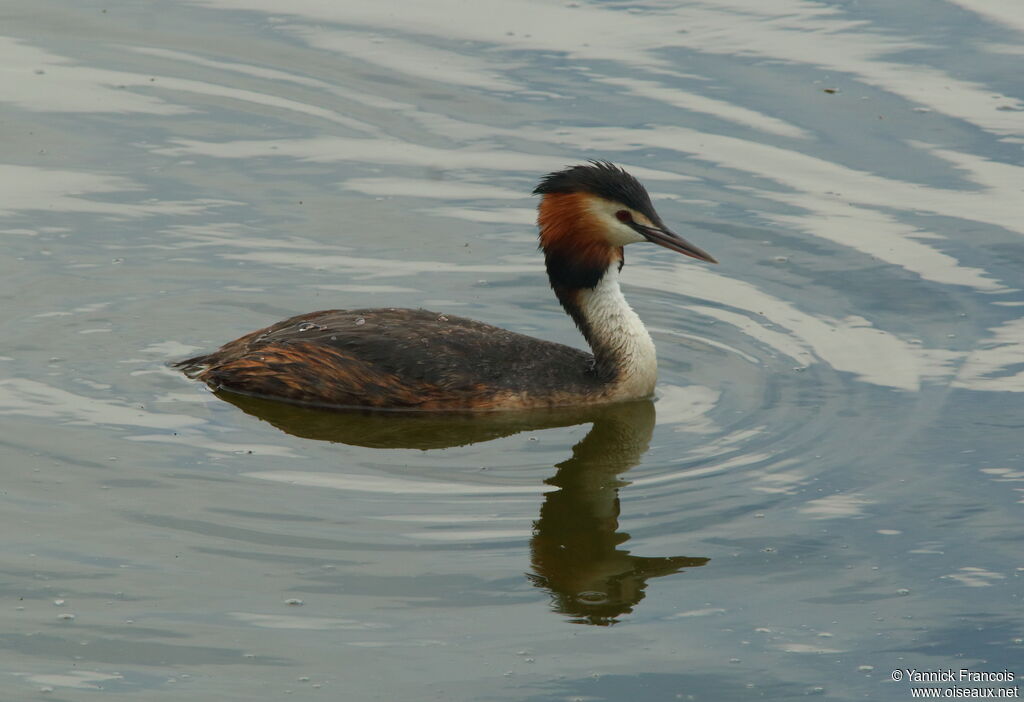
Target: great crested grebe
x,y
420,360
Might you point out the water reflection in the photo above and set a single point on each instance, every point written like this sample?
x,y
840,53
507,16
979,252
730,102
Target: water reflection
x,y
576,548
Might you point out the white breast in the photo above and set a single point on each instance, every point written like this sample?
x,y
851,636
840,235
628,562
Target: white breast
x,y
617,331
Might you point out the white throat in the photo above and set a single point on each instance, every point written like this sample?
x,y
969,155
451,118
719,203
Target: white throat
x,y
618,336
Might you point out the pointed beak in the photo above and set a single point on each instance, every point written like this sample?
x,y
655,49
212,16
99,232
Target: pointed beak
x,y
672,241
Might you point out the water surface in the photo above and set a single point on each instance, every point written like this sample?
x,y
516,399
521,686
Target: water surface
x,y
827,487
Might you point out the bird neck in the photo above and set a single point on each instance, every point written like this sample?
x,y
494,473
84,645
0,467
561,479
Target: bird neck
x,y
623,350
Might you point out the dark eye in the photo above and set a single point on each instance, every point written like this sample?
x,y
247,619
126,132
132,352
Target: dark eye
x,y
624,216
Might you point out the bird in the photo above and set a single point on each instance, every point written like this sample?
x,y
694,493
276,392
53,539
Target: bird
x,y
414,359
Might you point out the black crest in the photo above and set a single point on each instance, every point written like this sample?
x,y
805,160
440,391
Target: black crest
x,y
603,179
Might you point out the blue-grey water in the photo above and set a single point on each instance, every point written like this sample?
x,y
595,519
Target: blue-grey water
x,y
827,488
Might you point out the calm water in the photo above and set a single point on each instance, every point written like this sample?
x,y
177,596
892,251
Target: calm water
x,y
828,486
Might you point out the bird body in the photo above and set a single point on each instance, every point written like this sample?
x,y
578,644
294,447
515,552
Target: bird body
x,y
406,359
399,359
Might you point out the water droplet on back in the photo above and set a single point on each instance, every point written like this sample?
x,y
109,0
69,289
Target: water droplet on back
x,y
360,321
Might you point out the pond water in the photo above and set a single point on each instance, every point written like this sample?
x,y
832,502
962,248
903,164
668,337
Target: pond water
x,y
827,488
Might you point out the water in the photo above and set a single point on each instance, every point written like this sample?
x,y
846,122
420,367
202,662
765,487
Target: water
x,y
827,488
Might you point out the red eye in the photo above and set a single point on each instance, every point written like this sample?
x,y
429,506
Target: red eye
x,y
624,216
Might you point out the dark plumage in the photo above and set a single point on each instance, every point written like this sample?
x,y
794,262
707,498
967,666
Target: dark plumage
x,y
603,179
397,359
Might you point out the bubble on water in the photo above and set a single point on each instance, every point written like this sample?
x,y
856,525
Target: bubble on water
x,y
294,601
59,603
66,617
865,668
592,597
360,321
903,591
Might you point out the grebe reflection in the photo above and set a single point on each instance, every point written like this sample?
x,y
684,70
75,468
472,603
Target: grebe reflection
x,y
577,553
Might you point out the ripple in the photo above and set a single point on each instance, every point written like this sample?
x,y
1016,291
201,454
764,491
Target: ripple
x,y
384,485
49,189
74,679
281,621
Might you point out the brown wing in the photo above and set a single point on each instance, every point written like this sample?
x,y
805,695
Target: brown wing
x,y
396,358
